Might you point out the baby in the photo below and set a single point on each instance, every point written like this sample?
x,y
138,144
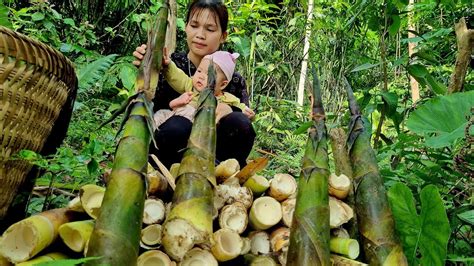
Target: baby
x,y
185,105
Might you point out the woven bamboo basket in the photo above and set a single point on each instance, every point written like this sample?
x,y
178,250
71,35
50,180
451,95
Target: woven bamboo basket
x,y
36,82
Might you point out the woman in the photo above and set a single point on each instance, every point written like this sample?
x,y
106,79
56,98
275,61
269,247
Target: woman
x,y
206,30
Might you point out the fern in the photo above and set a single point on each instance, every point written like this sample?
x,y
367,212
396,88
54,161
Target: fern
x,y
91,72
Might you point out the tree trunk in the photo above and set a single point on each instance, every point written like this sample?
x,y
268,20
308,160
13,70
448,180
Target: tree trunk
x,y
304,63
465,40
415,90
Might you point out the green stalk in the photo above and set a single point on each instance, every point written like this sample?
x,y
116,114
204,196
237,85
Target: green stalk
x,y
375,220
309,237
190,219
116,235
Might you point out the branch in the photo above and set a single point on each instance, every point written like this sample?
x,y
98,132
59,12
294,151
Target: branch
x,y
465,40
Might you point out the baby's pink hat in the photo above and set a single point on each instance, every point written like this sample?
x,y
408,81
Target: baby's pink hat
x,y
225,60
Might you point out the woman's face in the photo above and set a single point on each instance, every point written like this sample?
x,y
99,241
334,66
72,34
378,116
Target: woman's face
x,y
204,33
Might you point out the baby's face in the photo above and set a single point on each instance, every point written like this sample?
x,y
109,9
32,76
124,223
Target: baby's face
x,y
200,77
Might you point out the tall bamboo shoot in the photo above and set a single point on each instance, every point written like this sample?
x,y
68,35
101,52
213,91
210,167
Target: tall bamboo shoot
x,y
116,236
190,220
309,238
375,220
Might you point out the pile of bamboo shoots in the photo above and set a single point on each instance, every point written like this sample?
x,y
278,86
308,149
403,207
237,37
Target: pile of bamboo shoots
x,y
252,219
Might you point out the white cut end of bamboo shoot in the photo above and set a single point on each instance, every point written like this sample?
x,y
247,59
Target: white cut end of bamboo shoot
x,y
198,257
288,208
282,186
75,205
91,199
154,211
225,244
339,186
154,258
76,234
259,242
280,238
232,194
246,245
265,213
339,212
24,239
258,184
226,169
151,235
178,237
345,246
234,217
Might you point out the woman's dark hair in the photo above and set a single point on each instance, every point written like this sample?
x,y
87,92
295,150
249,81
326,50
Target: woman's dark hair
x,y
216,6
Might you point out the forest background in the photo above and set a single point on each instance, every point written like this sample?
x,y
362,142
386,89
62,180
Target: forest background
x,y
383,48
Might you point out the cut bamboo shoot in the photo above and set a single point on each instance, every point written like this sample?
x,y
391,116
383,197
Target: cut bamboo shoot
x,y
345,246
45,258
288,208
26,238
245,246
265,213
234,217
91,199
197,257
280,238
226,244
259,242
233,194
258,184
76,234
339,186
339,212
75,205
154,211
227,169
179,235
157,183
151,235
342,261
154,258
282,186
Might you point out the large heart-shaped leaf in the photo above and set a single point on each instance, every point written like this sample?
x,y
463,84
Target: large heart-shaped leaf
x,y
426,234
442,119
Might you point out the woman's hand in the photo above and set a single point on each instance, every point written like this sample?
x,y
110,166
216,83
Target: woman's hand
x,y
139,53
249,113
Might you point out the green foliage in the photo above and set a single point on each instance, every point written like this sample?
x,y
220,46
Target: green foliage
x,y
4,17
426,234
442,120
94,70
275,123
